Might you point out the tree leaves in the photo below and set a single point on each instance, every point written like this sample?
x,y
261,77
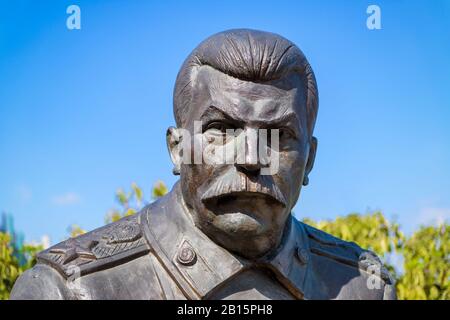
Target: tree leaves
x,y
427,260
10,268
133,201
159,190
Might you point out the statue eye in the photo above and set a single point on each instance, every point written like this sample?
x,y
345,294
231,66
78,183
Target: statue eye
x,y
218,125
286,133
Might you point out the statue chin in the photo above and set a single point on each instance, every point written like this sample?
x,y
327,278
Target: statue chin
x,y
248,227
242,234
239,225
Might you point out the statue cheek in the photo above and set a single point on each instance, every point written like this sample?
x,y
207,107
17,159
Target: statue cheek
x,y
292,168
294,161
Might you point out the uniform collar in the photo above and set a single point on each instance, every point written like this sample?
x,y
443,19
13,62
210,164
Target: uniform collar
x,y
199,265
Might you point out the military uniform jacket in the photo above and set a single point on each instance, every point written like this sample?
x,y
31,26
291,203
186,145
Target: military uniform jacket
x,y
158,253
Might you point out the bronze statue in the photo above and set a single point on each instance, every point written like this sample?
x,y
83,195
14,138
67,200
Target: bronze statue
x,y
225,230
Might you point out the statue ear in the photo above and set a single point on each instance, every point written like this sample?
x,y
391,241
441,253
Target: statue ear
x,y
311,158
173,139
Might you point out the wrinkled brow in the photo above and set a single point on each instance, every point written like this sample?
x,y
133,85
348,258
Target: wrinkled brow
x,y
215,113
288,117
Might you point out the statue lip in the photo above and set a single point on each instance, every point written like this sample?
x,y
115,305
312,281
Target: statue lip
x,y
227,198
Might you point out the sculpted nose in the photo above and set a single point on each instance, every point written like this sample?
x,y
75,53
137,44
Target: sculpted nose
x,y
249,169
251,162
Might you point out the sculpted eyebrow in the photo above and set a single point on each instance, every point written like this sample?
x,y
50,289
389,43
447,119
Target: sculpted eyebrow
x,y
213,113
287,118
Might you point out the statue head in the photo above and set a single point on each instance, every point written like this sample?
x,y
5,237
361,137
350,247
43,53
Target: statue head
x,y
245,104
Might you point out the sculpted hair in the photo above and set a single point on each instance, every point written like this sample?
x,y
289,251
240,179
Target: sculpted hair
x,y
248,55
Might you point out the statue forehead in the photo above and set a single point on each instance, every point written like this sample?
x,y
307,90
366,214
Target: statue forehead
x,y
245,99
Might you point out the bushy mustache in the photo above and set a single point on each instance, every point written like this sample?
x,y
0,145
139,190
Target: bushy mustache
x,y
234,182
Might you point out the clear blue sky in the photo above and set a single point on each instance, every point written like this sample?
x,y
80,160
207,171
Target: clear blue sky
x,y
84,112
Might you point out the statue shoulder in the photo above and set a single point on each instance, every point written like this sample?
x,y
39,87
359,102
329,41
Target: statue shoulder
x,y
345,252
41,282
105,247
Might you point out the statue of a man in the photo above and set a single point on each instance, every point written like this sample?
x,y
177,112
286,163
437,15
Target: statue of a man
x,y
225,230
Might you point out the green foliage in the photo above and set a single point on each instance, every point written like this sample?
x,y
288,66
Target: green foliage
x,y
10,268
133,201
159,190
75,230
130,202
426,255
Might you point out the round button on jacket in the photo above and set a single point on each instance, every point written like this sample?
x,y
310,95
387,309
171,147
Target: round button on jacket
x,y
302,255
186,256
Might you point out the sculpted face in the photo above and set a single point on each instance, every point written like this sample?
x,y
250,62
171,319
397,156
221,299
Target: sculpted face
x,y
233,203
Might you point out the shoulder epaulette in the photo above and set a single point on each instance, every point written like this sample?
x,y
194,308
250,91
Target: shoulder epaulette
x,y
102,248
349,253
